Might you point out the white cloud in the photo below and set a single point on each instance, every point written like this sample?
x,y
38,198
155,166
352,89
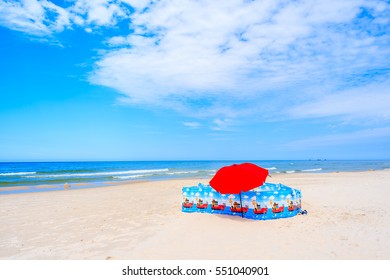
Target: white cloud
x,y
43,17
32,16
97,12
137,4
232,58
367,101
222,124
346,138
193,125
117,41
228,59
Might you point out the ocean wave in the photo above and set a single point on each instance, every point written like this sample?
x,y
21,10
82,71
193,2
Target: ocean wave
x,y
129,177
142,171
182,172
17,173
271,168
312,170
290,171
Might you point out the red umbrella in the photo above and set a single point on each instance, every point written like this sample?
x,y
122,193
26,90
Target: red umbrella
x,y
261,173
238,178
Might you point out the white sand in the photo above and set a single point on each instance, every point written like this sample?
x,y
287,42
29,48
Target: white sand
x,y
348,219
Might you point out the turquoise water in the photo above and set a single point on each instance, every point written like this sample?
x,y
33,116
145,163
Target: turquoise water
x,y
38,173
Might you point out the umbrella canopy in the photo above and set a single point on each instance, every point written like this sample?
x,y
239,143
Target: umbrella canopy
x,y
238,178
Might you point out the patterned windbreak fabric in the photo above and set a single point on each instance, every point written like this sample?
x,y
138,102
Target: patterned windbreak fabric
x,y
269,201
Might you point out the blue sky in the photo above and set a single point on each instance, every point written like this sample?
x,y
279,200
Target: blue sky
x,y
170,79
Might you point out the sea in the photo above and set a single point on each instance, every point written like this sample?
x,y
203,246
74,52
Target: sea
x,y
59,173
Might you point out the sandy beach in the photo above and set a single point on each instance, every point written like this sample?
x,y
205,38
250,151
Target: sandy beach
x,y
348,218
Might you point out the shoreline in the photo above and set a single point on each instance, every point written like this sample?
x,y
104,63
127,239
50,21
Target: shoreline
x,y
347,218
18,174
19,189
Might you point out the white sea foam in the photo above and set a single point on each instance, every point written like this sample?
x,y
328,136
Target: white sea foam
x,y
181,172
129,177
271,168
17,173
143,171
312,170
290,171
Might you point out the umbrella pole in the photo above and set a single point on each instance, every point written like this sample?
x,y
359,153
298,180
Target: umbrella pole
x,y
242,212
